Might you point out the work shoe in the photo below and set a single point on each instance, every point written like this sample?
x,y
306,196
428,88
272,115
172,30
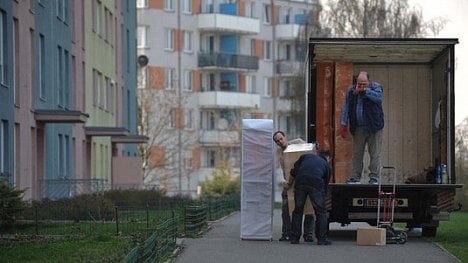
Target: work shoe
x,y
353,180
325,242
284,238
373,181
308,239
294,241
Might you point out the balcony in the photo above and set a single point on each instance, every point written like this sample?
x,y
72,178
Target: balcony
x,y
288,67
228,23
287,31
210,60
219,138
232,100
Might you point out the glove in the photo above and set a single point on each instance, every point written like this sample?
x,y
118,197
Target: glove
x,y
344,131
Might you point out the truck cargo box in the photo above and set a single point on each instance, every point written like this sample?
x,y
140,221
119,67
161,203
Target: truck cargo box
x,y
417,76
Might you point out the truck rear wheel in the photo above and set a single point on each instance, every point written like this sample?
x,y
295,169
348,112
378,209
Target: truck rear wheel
x,y
429,231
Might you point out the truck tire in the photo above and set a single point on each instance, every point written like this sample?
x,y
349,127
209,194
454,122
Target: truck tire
x,y
429,231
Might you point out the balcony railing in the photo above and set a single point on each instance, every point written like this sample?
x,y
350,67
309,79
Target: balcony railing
x,y
218,137
232,100
224,60
288,67
228,23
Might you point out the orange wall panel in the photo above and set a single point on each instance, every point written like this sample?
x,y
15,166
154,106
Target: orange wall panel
x,y
241,7
241,83
156,77
157,155
156,4
343,147
196,80
259,48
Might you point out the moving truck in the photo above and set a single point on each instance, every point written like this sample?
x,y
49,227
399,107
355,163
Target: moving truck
x,y
417,76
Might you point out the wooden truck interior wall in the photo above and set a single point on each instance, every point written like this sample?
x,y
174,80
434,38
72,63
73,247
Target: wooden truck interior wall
x,y
411,141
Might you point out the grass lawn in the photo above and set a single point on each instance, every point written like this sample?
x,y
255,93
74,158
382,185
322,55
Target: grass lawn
x,y
453,235
92,249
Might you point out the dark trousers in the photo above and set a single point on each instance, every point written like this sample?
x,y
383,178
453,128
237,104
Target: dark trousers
x,y
317,196
287,226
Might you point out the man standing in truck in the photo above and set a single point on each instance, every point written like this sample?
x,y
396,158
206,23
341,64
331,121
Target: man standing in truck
x,y
363,112
280,139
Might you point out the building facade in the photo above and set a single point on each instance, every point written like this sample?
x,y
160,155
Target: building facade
x,y
68,97
207,64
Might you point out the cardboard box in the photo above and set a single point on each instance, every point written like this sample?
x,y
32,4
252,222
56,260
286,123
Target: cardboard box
x,y
291,155
371,236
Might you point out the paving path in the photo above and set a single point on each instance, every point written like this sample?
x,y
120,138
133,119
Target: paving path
x,y
222,243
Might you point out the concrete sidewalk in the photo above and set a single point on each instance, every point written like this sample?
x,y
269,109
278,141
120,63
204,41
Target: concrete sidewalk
x,y
222,243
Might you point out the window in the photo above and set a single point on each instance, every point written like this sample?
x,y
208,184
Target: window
x,y
141,36
285,123
3,47
169,74
60,84
3,145
142,3
266,87
188,41
62,10
187,81
172,118
98,88
267,14
169,34
16,68
61,156
209,158
267,50
207,120
105,98
187,6
168,5
250,12
285,88
250,84
188,119
41,66
97,14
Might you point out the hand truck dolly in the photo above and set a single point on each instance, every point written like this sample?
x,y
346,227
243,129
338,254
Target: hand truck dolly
x,y
386,200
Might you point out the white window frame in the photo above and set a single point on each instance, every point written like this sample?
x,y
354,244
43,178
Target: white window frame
x,y
266,14
267,50
3,46
250,9
250,84
168,5
142,3
187,6
3,144
169,37
266,87
188,36
187,80
188,119
169,78
142,33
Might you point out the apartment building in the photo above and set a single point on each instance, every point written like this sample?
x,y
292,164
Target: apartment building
x,y
204,65
68,97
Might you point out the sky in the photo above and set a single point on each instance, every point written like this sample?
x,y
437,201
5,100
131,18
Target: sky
x,y
456,13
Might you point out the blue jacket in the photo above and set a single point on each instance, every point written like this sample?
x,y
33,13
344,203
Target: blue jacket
x,y
311,170
364,109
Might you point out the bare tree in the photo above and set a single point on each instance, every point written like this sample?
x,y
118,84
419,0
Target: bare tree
x,y
378,18
161,119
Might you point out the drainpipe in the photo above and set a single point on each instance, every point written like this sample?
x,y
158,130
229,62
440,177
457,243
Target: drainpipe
x,y
179,101
273,59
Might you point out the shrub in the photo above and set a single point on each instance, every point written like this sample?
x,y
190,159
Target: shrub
x,y
222,184
11,204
